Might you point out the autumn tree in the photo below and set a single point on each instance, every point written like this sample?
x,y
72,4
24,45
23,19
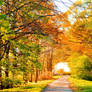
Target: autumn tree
x,y
20,34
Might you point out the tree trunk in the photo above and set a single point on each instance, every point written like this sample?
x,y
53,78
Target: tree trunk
x,y
36,77
7,72
13,75
7,58
1,57
31,77
51,59
49,64
1,87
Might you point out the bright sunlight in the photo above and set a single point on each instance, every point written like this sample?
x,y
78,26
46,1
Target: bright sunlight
x,y
62,65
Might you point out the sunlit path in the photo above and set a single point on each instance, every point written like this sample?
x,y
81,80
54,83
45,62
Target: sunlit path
x,y
40,40
60,85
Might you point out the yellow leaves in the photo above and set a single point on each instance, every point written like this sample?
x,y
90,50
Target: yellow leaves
x,y
89,23
82,14
61,71
79,2
51,6
4,38
76,10
68,12
66,24
43,4
2,29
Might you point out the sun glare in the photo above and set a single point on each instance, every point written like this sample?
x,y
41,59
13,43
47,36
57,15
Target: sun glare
x,y
62,65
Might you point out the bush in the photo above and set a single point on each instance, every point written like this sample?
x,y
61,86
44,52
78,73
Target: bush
x,y
8,83
16,82
81,67
81,85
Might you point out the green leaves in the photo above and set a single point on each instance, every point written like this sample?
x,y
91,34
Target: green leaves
x,y
2,16
88,1
80,66
38,65
4,28
24,50
1,2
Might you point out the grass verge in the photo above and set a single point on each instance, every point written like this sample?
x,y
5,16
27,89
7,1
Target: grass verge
x,y
32,87
81,85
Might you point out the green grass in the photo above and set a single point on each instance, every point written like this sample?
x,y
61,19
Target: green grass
x,y
31,87
81,85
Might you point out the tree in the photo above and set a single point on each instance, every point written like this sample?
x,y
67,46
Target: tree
x,y
20,34
81,66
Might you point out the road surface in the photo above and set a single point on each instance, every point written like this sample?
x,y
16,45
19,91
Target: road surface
x,y
60,85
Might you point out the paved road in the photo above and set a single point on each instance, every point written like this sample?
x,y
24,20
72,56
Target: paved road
x,y
60,85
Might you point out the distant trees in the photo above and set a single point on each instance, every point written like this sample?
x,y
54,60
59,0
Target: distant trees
x,y
77,36
60,71
79,39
